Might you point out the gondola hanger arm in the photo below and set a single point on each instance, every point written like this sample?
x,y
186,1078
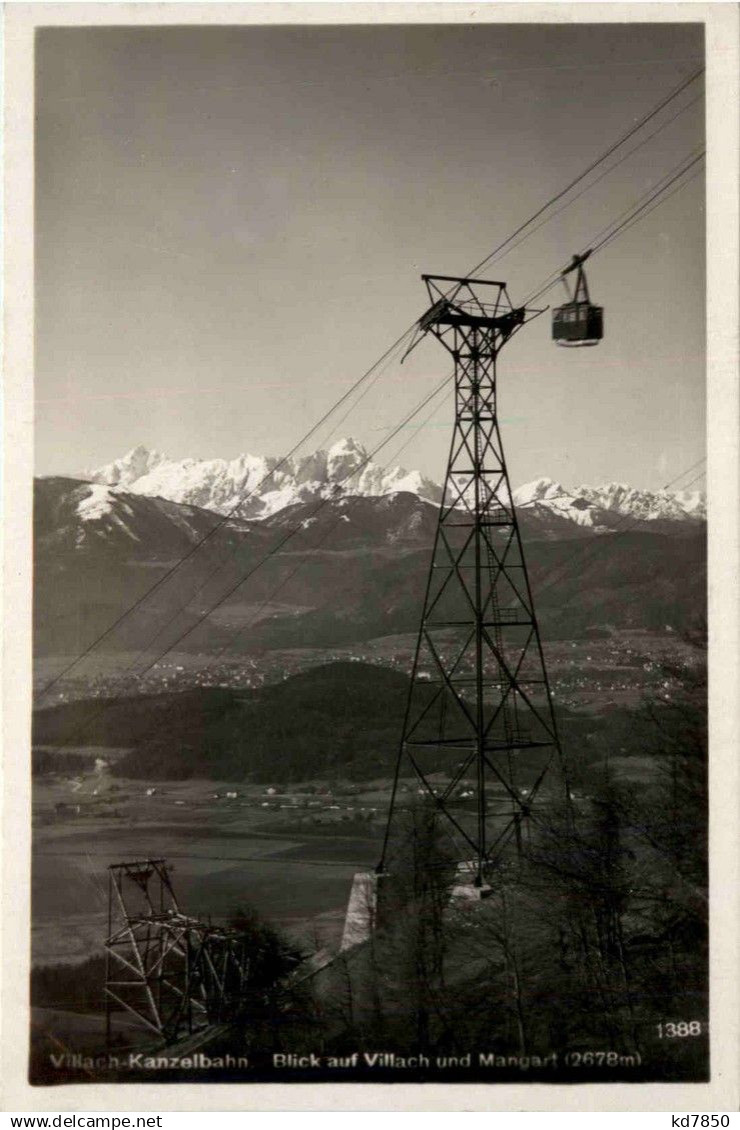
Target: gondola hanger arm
x,y
576,261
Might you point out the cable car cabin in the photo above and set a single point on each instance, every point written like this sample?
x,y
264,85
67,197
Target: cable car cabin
x,y
578,322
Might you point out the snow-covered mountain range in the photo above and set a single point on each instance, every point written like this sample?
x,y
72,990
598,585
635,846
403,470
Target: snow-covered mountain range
x,y
260,486
606,507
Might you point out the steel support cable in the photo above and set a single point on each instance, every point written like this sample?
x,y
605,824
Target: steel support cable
x,y
654,190
194,549
73,735
230,643
592,184
638,211
636,219
631,214
291,533
606,154
231,555
676,171
331,529
499,252
232,513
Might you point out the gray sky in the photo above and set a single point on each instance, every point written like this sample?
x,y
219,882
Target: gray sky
x,y
231,224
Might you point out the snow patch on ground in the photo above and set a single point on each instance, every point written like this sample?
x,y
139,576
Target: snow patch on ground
x,y
98,503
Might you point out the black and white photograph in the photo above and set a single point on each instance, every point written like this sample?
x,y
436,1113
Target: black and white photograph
x,y
369,719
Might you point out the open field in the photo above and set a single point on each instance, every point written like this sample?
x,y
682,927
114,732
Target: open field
x,y
290,855
222,858
290,851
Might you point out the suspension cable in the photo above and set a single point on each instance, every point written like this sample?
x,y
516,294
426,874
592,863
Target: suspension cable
x,y
343,399
633,213
607,153
229,515
73,736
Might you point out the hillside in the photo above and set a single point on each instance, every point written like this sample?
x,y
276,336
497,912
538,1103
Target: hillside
x,y
337,720
260,486
351,570
342,719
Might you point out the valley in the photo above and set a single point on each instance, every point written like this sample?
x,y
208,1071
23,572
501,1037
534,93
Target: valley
x,y
257,754
610,667
291,855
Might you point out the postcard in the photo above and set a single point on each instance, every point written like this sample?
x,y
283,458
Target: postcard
x,y
369,572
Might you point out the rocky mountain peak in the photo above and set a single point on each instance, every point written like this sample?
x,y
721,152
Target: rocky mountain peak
x,y
256,486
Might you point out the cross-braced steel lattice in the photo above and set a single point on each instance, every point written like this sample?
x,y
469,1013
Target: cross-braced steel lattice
x,y
479,735
174,973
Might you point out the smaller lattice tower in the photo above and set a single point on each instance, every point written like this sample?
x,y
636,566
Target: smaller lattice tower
x,y
479,736
170,974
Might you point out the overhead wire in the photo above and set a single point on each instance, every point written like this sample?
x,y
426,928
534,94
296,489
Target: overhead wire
x,y
631,214
330,529
230,643
343,399
597,180
642,213
291,533
658,192
612,231
73,736
607,153
228,557
228,516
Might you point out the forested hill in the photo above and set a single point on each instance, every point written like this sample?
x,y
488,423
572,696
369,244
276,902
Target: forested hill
x,y
339,720
343,718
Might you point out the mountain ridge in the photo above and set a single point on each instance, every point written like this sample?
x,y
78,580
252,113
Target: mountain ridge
x,y
257,487
352,569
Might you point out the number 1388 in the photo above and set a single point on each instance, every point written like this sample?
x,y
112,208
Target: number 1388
x,y
679,1029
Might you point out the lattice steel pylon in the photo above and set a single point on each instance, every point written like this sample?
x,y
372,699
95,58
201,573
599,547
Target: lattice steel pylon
x,y
174,974
479,735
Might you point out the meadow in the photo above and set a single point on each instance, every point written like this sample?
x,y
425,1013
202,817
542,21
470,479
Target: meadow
x,y
225,854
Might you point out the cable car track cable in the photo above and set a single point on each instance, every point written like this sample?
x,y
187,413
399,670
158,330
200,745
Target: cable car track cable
x,y
607,153
345,396
223,519
72,737
642,214
212,660
592,184
610,232
230,643
233,554
559,573
652,192
291,533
